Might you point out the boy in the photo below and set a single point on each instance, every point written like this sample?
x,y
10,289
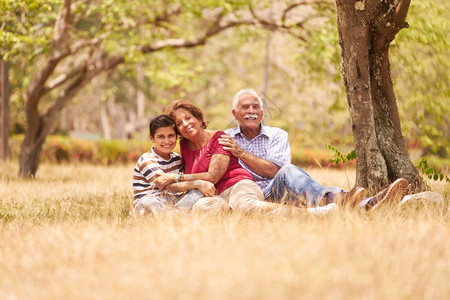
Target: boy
x,y
160,159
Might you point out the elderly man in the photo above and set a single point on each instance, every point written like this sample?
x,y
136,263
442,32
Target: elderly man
x,y
265,152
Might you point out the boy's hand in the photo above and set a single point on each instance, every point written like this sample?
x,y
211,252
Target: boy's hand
x,y
206,187
162,180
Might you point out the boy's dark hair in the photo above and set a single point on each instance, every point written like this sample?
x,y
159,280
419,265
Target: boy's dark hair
x,y
160,121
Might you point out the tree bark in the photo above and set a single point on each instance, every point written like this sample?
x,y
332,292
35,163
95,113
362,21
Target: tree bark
x,y
366,29
387,121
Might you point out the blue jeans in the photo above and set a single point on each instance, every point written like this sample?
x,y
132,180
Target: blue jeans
x,y
189,199
292,183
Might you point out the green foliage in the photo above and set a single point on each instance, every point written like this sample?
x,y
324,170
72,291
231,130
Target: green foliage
x,y
344,159
26,27
431,172
321,55
419,65
123,29
339,157
210,75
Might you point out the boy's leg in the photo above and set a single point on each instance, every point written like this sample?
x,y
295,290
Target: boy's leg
x,y
150,204
189,199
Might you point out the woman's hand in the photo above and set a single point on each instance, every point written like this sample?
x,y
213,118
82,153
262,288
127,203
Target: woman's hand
x,y
206,187
162,180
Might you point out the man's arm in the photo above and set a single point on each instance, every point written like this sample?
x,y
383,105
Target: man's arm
x,y
259,165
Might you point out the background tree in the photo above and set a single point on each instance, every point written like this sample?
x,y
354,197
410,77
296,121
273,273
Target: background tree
x,y
86,38
419,70
305,95
366,29
4,109
421,78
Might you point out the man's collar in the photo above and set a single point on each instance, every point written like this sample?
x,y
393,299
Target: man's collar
x,y
237,131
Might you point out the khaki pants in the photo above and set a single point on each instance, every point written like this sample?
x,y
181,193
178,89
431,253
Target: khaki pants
x,y
244,196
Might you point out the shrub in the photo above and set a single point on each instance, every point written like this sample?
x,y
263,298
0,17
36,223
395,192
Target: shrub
x,y
59,149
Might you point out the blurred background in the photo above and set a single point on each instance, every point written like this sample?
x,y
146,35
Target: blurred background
x,y
297,74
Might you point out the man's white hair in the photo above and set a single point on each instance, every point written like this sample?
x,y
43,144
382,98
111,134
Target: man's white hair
x,y
246,91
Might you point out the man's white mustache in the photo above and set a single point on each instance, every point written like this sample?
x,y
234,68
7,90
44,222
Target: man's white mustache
x,y
251,116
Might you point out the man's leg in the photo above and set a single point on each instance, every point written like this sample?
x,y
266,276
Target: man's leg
x,y
291,182
393,194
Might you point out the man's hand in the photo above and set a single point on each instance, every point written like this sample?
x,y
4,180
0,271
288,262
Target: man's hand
x,y
206,187
257,164
230,144
162,180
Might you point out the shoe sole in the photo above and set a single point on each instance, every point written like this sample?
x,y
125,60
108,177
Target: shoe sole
x,y
395,193
358,196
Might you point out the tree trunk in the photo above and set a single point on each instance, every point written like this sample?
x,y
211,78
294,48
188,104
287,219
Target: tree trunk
x,y
4,109
39,127
387,122
366,29
29,156
106,128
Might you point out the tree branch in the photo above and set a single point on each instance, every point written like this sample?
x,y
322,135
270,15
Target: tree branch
x,y
77,46
189,43
59,50
60,40
90,71
400,13
295,5
261,21
65,77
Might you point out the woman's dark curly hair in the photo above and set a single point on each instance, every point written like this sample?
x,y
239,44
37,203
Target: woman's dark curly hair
x,y
187,105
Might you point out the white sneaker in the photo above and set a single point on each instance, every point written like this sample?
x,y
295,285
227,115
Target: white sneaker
x,y
323,210
430,196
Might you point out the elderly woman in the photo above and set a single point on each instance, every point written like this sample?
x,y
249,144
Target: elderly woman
x,y
205,159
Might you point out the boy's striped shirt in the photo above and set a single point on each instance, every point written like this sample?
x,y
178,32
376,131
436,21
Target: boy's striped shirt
x,y
148,165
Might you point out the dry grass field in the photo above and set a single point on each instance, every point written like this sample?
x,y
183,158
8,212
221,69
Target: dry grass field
x,y
68,235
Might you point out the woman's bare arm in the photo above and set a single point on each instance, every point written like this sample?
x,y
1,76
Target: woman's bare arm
x,y
206,187
217,168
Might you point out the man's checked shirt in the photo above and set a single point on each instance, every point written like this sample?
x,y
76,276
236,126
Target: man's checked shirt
x,y
271,144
